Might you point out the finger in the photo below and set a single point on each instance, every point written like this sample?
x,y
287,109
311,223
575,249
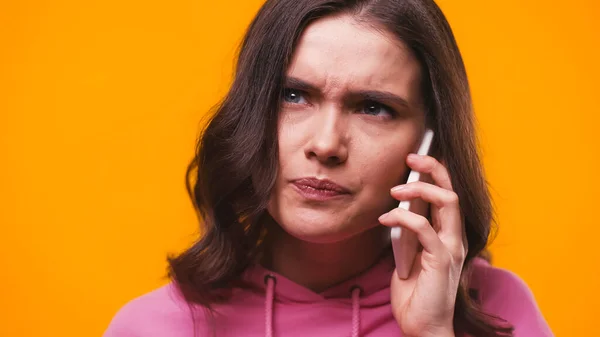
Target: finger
x,y
436,195
447,210
417,224
430,165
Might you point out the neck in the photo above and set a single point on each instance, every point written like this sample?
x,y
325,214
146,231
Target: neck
x,y
318,266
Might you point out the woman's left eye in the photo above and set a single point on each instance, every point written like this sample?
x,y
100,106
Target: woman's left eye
x,y
377,109
293,96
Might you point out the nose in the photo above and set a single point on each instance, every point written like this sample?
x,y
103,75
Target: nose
x,y
328,142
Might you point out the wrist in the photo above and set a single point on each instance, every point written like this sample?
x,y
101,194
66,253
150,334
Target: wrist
x,y
435,333
448,334
444,333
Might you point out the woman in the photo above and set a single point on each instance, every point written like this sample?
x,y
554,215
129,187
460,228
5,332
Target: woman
x,y
298,175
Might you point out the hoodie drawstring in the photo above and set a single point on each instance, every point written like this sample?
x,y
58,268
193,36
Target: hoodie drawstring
x,y
270,298
270,281
356,311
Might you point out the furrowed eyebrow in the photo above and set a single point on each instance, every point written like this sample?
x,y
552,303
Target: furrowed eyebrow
x,y
371,95
382,96
299,84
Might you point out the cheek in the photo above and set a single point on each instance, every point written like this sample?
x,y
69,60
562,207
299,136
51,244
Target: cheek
x,y
382,170
288,146
289,142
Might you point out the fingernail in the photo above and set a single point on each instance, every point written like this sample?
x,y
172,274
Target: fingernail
x,y
398,188
413,156
383,216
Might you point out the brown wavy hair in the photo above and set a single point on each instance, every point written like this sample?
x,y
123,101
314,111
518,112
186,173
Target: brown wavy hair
x,y
234,169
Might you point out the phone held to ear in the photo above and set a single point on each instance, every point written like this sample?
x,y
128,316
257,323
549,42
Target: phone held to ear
x,y
404,242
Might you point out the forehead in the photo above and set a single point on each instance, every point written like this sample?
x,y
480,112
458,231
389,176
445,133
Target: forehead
x,y
336,53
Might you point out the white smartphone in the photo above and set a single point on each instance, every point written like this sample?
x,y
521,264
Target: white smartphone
x,y
404,242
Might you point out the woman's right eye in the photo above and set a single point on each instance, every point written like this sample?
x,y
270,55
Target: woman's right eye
x,y
294,96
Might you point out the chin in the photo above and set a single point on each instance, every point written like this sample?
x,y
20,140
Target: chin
x,y
316,227
314,235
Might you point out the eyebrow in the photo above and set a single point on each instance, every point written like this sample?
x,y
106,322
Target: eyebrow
x,y
371,95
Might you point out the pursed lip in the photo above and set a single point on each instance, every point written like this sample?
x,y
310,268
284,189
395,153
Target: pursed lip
x,y
318,189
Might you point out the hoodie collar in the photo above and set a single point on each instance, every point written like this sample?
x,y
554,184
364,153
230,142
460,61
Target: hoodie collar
x,y
373,282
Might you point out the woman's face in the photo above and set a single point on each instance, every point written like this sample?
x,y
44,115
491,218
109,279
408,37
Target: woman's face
x,y
351,113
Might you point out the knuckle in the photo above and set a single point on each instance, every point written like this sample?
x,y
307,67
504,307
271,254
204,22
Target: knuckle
x,y
459,255
434,164
400,215
446,260
421,224
451,197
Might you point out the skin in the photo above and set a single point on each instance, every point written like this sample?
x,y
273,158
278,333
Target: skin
x,y
329,130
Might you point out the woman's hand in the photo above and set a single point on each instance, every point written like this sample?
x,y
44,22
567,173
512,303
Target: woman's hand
x,y
423,304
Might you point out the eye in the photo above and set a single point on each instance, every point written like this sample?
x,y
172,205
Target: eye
x,y
293,96
377,109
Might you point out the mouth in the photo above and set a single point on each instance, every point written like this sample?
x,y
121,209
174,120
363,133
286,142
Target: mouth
x,y
319,189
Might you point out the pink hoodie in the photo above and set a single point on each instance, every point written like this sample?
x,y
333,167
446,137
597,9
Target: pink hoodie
x,y
276,306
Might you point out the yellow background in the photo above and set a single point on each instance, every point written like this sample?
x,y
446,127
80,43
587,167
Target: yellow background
x,y
99,109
